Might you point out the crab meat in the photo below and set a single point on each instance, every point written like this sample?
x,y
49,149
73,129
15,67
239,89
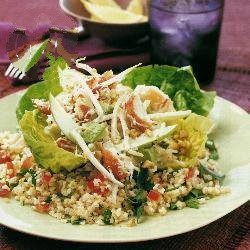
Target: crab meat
x,y
112,162
159,102
136,116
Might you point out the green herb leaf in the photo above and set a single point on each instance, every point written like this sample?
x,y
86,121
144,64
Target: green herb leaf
x,y
192,203
214,155
204,169
41,90
191,199
173,206
11,185
75,222
197,193
33,176
48,199
143,180
23,172
107,214
138,202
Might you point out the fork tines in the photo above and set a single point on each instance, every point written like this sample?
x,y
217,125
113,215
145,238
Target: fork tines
x,y
12,71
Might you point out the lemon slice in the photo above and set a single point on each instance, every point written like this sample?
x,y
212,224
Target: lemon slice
x,y
136,7
111,14
110,3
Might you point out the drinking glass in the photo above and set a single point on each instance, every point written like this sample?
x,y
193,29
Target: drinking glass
x,y
186,32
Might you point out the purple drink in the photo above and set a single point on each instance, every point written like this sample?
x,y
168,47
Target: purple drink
x,y
186,32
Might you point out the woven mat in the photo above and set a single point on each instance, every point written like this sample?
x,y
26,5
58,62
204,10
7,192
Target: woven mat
x,y
233,83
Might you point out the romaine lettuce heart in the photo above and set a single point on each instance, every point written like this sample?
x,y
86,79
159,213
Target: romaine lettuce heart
x,y
44,148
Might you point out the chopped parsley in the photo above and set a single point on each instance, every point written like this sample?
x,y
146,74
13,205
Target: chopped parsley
x,y
192,203
107,214
212,149
143,180
75,222
63,197
11,185
173,206
191,199
33,176
24,171
48,199
204,169
138,202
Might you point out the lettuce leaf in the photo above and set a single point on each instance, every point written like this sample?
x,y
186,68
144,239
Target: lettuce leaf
x,y
44,148
41,90
178,83
197,128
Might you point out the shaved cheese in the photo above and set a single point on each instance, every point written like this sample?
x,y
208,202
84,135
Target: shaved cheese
x,y
115,136
139,108
86,67
124,129
129,165
114,193
94,100
118,77
168,116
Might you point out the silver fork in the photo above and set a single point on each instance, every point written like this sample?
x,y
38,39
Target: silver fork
x,y
13,71
19,68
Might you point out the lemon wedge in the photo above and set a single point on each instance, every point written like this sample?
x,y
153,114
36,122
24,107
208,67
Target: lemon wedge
x,y
109,14
110,3
136,7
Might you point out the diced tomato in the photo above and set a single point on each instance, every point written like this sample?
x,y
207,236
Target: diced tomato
x,y
46,178
154,195
101,189
11,169
42,208
133,120
190,173
112,162
28,162
4,192
4,158
97,189
100,176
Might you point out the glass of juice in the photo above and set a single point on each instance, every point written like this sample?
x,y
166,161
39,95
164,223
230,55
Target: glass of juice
x,y
186,32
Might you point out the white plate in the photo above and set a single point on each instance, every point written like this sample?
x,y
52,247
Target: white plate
x,y
232,135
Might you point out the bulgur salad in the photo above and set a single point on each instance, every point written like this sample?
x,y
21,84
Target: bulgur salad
x,y
104,149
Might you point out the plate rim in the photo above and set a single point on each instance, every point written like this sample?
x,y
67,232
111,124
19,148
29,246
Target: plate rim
x,y
140,238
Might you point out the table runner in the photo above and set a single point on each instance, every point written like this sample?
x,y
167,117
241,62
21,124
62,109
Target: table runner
x,y
232,82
